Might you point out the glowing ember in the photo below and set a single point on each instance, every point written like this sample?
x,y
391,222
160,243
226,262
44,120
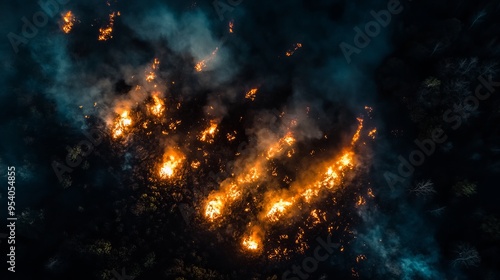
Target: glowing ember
x,y
295,48
106,32
202,64
208,134
252,242
68,22
288,139
358,131
251,94
372,133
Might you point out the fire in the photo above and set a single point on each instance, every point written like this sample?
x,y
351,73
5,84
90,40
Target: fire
x,y
295,48
208,134
68,22
231,136
158,105
203,63
231,25
253,241
276,205
106,32
151,75
288,139
277,148
250,175
361,201
251,94
195,164
121,125
277,210
171,162
213,210
358,131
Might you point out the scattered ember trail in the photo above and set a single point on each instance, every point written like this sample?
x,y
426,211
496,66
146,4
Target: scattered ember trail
x,y
105,33
295,48
200,66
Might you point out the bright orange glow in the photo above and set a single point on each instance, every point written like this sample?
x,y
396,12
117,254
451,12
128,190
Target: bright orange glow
x,y
122,124
277,210
68,22
252,242
213,209
171,162
208,134
231,25
358,131
158,105
251,94
105,33
200,66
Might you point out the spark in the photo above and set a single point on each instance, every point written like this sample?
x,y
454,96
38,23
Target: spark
x,y
195,164
295,48
213,210
358,131
253,241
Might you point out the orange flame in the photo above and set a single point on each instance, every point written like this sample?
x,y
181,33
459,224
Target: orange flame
x,y
203,63
171,162
208,134
106,32
251,94
122,124
158,105
68,22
